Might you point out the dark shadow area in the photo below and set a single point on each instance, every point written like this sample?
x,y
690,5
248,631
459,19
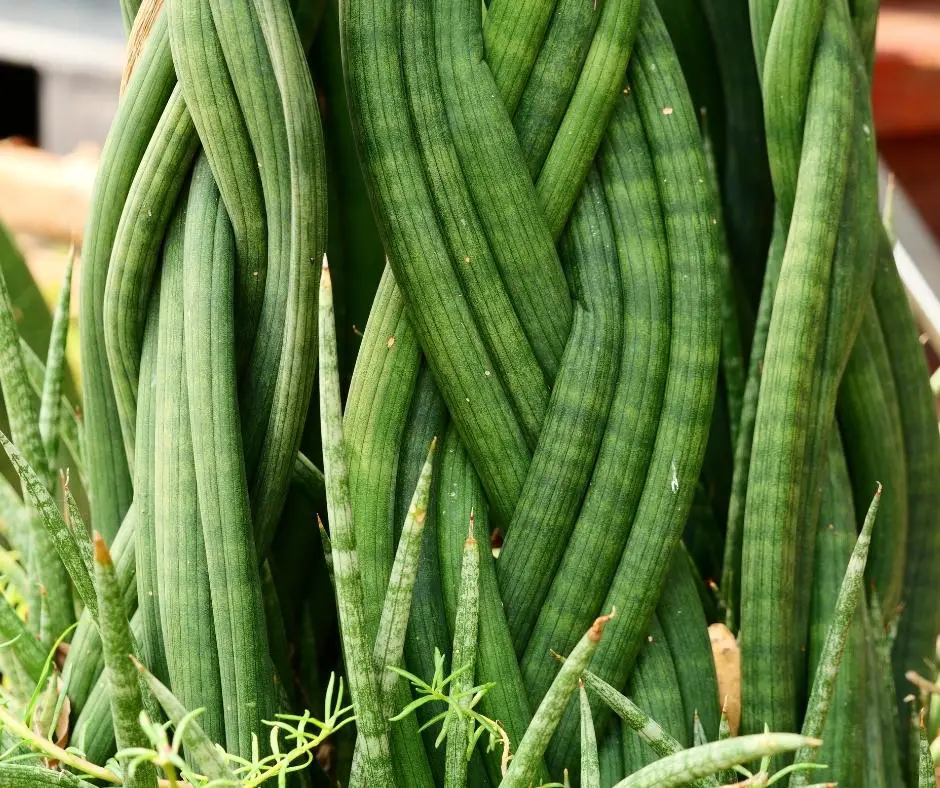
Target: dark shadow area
x,y
20,114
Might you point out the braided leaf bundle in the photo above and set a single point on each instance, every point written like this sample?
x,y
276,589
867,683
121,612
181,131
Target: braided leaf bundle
x,y
635,330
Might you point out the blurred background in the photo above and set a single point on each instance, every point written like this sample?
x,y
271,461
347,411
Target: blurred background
x,y
60,72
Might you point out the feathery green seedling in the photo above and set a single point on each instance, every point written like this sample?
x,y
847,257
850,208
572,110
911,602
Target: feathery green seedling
x,y
306,733
206,755
218,769
546,718
590,762
373,733
55,368
62,537
166,757
460,732
457,706
825,678
124,683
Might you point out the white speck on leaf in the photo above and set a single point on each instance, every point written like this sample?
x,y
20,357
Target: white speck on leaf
x,y
674,482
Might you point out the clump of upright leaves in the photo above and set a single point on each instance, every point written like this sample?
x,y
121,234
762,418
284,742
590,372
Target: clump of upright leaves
x,y
524,764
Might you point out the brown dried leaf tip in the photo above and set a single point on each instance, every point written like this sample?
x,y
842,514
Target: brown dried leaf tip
x,y
597,628
471,539
102,554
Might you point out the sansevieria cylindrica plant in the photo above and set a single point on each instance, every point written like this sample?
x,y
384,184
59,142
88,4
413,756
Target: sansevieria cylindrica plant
x,y
610,347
